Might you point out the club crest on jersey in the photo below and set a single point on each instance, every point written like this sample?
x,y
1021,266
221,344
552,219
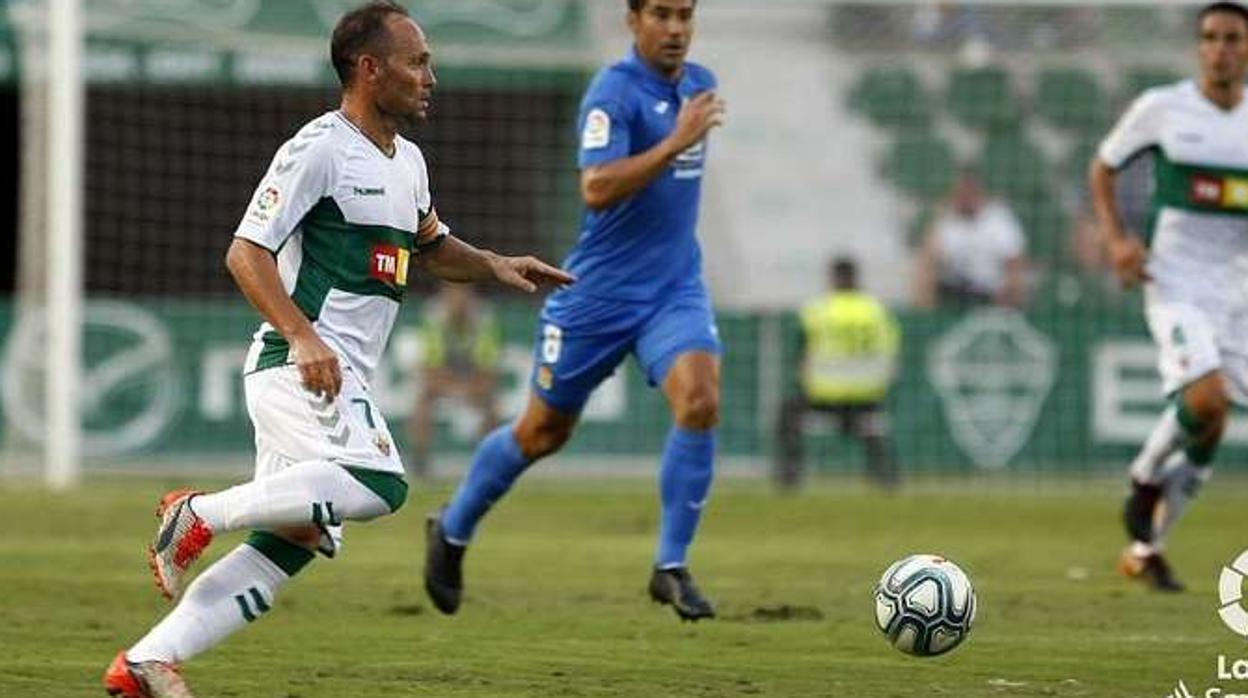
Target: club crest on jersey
x,y
545,378
388,264
382,444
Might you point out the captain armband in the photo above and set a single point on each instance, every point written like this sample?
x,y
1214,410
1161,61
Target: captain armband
x,y
431,234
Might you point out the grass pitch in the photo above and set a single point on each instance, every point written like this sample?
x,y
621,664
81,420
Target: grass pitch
x,y
556,602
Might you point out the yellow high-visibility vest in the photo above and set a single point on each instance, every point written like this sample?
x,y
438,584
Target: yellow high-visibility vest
x,y
477,348
851,348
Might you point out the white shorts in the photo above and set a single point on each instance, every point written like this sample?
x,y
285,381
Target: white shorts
x,y
292,425
1193,341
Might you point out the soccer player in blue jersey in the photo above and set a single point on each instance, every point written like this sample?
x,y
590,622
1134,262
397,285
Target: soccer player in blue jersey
x,y
643,123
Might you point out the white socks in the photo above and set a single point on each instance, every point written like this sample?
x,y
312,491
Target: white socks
x,y
311,492
1166,438
234,591
1181,481
240,587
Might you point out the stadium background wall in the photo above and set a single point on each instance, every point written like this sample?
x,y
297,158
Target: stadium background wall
x,y
991,389
850,152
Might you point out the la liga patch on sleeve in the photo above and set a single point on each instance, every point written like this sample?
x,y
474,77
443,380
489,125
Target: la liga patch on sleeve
x,y
265,205
597,131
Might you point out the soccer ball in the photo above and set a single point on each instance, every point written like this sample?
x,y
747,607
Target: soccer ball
x,y
924,605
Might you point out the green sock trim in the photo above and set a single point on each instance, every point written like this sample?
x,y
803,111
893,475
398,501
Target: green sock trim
x,y
258,600
1187,420
391,487
242,608
1200,454
290,558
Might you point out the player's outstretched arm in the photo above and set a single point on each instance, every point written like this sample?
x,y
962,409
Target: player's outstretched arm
x,y
456,260
255,271
606,185
1127,255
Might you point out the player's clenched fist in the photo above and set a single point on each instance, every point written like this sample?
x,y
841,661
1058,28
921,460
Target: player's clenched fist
x,y
696,117
317,364
1128,257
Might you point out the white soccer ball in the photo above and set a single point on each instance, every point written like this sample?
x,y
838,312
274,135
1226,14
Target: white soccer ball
x,y
924,605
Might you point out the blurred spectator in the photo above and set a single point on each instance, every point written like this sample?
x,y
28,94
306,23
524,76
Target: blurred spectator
x,y
973,253
461,343
849,358
1087,248
952,24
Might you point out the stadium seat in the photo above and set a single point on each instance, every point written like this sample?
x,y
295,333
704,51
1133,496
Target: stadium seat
x,y
921,165
1140,78
983,98
891,96
1047,228
1074,168
1071,99
1013,167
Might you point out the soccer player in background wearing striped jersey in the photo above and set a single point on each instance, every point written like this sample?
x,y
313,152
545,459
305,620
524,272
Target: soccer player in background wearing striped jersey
x,y
643,124
322,252
1195,295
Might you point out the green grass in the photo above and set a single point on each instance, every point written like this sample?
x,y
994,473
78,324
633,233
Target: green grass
x,y
556,602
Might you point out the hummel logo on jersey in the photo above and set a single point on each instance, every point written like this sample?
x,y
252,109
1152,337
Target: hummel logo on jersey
x,y
388,264
370,191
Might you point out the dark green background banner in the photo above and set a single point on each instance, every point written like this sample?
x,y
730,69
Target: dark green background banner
x,y
984,389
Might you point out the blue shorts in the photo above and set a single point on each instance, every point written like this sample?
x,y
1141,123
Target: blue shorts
x,y
581,340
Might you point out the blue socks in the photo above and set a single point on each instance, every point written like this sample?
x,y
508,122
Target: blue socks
x,y
684,481
496,464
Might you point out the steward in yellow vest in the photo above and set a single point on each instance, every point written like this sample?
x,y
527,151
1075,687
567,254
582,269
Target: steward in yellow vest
x,y
461,343
850,343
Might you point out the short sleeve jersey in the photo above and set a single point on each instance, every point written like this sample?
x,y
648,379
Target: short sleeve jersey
x,y
343,219
975,250
645,245
1199,221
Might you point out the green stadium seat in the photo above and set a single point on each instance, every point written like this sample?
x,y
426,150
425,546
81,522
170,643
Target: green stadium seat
x,y
1071,99
1048,229
1013,167
1074,167
1140,78
892,97
983,98
921,165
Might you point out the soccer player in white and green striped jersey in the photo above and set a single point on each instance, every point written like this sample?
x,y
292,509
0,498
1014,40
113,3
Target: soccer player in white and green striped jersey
x,y
322,252
1193,273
